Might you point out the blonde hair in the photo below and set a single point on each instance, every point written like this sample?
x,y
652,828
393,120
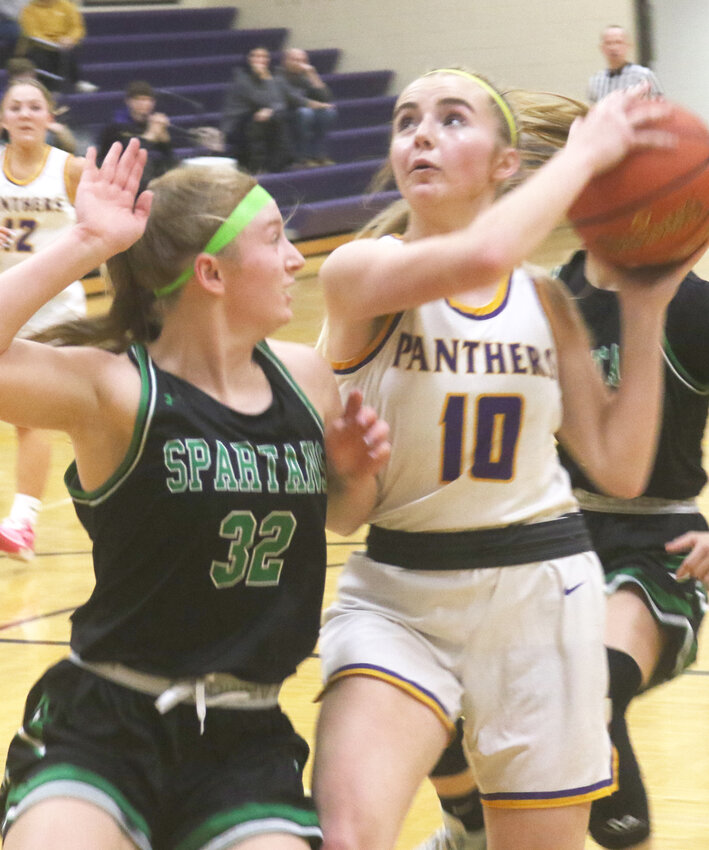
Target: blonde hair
x,y
22,80
541,119
493,94
189,204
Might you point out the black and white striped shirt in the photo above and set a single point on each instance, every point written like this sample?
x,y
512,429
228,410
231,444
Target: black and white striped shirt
x,y
604,82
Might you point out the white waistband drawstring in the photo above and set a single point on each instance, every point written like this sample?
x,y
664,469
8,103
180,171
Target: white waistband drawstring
x,y
215,690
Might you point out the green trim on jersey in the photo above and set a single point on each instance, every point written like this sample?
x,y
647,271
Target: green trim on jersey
x,y
146,406
264,348
221,823
695,386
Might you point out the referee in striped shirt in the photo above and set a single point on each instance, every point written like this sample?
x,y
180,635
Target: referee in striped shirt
x,y
620,73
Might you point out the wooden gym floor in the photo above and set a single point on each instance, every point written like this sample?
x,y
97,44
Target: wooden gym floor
x,y
669,725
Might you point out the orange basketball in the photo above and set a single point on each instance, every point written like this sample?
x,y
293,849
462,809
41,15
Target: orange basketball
x,y
653,207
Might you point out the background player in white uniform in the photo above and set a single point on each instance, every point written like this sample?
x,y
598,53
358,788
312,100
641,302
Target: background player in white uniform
x,y
478,589
37,187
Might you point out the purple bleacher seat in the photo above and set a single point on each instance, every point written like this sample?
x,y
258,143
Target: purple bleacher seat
x,y
190,152
314,219
139,46
91,108
161,72
188,54
345,145
183,19
202,119
324,59
203,70
359,83
359,143
364,111
336,215
290,188
98,107
179,126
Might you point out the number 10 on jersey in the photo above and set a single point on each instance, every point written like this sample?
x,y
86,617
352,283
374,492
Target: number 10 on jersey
x,y
497,421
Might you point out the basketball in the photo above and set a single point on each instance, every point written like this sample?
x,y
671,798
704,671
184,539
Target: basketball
x,y
653,207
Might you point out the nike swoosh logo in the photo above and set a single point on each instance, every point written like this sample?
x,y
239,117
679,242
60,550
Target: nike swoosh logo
x,y
569,590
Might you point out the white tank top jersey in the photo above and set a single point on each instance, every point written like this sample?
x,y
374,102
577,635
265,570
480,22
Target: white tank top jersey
x,y
473,401
38,210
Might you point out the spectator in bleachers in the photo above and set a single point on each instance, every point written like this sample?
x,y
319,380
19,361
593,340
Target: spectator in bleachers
x,y
312,119
140,119
9,27
51,32
255,118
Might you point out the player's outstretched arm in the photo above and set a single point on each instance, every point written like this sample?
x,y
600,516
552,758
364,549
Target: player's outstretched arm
x,y
109,220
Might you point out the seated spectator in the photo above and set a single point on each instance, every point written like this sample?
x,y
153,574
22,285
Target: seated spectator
x,y
9,27
310,121
58,134
51,32
140,119
255,117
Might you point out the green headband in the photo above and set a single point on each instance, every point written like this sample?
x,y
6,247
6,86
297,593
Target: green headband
x,y
243,213
496,96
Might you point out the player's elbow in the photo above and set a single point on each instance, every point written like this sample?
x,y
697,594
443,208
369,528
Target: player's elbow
x,y
626,490
626,485
490,262
619,480
342,524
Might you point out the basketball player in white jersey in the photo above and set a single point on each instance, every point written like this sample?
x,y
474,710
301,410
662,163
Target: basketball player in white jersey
x,y
37,186
479,591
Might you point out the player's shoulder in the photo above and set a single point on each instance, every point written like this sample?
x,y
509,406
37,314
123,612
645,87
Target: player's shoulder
x,y
687,327
309,371
688,313
692,294
572,273
346,262
548,283
302,361
356,249
75,165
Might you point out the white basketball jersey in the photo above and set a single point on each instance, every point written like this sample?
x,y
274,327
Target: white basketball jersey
x,y
38,210
473,401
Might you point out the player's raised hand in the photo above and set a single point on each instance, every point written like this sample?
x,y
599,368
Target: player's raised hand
x,y
107,209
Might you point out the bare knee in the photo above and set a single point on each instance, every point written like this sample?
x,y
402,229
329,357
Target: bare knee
x,y
66,823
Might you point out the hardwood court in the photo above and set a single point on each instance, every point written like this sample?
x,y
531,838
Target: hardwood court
x,y
669,725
